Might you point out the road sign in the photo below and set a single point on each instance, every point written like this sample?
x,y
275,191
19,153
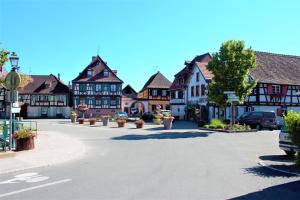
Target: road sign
x,y
12,80
15,109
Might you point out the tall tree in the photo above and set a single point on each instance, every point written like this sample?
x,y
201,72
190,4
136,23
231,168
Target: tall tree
x,y
231,67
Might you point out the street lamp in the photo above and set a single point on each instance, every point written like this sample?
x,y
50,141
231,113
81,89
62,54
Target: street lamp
x,y
14,60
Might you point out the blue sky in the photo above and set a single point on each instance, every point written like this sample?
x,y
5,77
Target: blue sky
x,y
140,37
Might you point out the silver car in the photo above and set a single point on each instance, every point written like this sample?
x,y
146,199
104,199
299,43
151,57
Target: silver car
x,y
285,143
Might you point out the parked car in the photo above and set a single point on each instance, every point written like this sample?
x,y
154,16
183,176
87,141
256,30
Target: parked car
x,y
259,120
286,144
147,116
121,115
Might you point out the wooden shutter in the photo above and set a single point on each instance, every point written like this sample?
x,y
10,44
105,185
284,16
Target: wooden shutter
x,y
270,89
284,90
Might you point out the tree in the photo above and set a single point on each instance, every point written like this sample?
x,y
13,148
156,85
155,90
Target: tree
x,y
292,125
231,67
25,79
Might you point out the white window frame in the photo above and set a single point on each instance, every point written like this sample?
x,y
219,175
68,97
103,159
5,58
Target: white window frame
x,y
113,88
276,89
105,73
154,92
164,93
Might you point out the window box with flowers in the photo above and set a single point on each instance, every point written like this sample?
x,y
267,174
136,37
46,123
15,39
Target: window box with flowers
x,y
24,140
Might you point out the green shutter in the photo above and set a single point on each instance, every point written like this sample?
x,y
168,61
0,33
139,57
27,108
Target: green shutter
x,y
94,87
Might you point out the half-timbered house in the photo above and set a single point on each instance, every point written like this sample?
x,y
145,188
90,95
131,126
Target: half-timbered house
x,y
99,88
129,97
188,87
277,89
155,92
46,96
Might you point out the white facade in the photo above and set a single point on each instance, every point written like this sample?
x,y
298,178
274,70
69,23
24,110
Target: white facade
x,y
52,112
196,88
178,103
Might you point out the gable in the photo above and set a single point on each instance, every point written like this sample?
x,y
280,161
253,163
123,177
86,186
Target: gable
x,y
97,66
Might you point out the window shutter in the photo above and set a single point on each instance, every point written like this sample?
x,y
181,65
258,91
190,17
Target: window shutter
x,y
94,87
284,90
270,89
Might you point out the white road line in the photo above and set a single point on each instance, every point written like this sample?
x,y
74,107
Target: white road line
x,y
34,187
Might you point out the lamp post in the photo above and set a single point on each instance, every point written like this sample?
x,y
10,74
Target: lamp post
x,y
14,60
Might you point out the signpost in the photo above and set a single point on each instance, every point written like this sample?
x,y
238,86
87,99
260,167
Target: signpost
x,y
12,82
232,98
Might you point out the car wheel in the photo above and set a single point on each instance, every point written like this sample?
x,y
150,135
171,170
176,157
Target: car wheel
x,y
258,127
290,153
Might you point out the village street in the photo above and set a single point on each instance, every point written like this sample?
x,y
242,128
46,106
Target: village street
x,y
152,163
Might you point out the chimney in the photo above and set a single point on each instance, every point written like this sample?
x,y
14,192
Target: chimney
x,y
115,71
58,76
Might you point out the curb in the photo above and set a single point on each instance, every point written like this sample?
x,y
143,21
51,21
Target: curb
x,y
227,131
7,154
277,170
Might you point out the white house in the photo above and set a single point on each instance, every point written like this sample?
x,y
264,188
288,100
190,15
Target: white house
x,y
186,87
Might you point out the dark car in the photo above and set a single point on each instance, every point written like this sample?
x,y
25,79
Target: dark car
x,y
147,116
259,120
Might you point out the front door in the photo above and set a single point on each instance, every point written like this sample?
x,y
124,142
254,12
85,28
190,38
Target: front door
x,y
23,111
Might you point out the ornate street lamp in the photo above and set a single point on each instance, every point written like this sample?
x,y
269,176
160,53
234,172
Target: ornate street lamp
x,y
14,60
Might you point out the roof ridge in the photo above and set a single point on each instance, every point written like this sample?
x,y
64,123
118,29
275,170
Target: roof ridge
x,y
277,54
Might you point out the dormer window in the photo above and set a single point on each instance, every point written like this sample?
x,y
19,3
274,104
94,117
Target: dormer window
x,y
89,72
105,73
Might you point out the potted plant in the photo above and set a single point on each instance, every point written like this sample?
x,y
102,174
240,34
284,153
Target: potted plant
x,y
157,116
139,123
92,121
168,121
24,139
82,108
104,120
121,122
73,116
81,121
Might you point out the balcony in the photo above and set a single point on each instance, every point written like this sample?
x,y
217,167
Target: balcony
x,y
177,101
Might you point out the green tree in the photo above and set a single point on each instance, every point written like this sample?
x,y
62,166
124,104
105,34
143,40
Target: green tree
x,y
292,125
231,67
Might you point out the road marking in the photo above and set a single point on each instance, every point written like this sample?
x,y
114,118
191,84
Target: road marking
x,y
34,187
32,177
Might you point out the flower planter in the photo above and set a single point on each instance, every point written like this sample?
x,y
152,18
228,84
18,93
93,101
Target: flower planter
x,y
157,121
168,123
139,125
121,123
25,144
104,121
73,119
92,122
81,121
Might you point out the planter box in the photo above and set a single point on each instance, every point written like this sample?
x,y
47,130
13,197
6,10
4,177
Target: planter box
x,y
73,119
81,121
168,123
139,125
25,144
92,122
105,121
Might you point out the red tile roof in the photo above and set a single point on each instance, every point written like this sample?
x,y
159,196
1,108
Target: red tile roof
x,y
97,66
206,73
45,84
276,68
157,80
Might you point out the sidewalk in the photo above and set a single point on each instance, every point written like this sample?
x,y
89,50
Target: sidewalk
x,y
50,148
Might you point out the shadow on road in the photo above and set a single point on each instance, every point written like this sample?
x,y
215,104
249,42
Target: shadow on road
x,y
164,135
265,172
277,158
289,191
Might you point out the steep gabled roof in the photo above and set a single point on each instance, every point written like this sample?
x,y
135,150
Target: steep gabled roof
x,y
45,84
206,73
128,91
97,66
157,81
187,71
276,68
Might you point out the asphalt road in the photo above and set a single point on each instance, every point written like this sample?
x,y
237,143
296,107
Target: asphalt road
x,y
183,163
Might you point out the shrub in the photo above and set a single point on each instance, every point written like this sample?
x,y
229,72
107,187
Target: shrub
x,y
24,134
292,125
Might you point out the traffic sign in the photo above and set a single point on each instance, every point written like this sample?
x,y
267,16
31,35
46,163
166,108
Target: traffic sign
x,y
12,80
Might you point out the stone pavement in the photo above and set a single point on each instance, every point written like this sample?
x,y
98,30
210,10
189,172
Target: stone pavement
x,y
50,148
